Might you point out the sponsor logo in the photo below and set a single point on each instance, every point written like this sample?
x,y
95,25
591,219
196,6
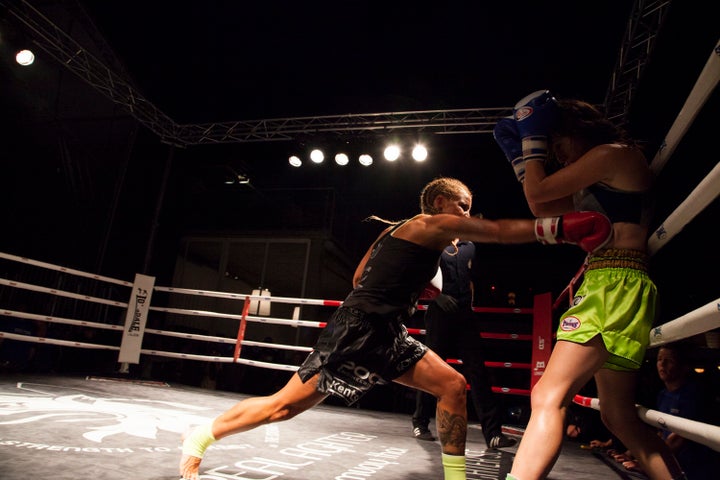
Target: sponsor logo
x,y
522,113
345,391
577,299
140,299
569,324
360,373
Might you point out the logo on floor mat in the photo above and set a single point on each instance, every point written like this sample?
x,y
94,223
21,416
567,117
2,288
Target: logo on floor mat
x,y
97,417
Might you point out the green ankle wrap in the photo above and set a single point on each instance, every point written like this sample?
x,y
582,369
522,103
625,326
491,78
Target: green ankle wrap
x,y
453,466
197,442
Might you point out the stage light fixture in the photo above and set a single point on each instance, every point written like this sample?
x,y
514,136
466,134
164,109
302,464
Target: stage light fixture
x,y
295,161
317,156
341,159
419,153
25,57
365,160
392,153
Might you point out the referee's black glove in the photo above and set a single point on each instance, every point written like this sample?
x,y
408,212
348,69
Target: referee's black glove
x,y
447,303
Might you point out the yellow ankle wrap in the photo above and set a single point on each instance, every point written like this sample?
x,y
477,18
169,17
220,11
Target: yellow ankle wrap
x,y
453,466
197,442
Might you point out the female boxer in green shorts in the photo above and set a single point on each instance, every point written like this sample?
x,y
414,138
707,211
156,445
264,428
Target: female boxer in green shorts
x,y
605,332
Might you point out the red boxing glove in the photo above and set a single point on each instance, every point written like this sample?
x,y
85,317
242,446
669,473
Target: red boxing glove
x,y
589,230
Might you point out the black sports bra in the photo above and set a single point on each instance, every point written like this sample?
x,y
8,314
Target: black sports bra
x,y
618,205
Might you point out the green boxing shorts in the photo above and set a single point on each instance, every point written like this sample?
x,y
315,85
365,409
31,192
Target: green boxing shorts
x,y
616,300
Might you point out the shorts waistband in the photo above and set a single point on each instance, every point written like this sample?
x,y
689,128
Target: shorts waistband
x,y
619,258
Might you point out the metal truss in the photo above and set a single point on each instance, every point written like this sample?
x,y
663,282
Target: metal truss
x,y
480,120
73,56
645,21
643,25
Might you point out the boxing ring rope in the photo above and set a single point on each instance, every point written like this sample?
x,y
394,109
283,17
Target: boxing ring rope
x,y
706,317
540,335
699,432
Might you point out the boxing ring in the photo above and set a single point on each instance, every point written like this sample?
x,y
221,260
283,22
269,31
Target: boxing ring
x,y
130,314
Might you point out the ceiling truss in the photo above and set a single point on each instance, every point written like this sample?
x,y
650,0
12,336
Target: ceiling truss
x,y
643,25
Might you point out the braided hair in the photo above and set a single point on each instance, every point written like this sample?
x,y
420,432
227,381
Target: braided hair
x,y
446,186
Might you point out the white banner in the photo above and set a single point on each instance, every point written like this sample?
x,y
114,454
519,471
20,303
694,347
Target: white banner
x,y
135,319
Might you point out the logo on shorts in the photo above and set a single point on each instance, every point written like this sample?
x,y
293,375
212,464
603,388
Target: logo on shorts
x,y
360,374
577,299
569,324
345,391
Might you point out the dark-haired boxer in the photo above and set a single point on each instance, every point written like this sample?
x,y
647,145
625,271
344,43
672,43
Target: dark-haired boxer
x,y
606,331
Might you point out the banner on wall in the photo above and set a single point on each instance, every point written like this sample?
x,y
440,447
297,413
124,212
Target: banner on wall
x,y
135,319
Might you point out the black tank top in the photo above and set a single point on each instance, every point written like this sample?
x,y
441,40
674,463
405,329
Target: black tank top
x,y
394,276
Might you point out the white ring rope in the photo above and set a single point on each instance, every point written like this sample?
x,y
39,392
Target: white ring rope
x,y
704,86
709,188
207,293
167,333
234,316
692,323
58,268
708,435
177,311
210,358
57,341
65,321
60,293
227,340
706,191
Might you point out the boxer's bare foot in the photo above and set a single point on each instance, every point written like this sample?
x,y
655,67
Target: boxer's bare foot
x,y
189,465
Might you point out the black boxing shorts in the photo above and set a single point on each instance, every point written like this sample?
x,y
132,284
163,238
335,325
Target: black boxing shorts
x,y
357,351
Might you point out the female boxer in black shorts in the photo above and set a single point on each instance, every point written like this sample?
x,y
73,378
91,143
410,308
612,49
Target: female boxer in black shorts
x,y
365,343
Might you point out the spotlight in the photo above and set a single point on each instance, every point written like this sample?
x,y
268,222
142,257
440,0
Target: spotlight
x,y
25,57
317,156
294,161
365,160
341,159
419,153
392,153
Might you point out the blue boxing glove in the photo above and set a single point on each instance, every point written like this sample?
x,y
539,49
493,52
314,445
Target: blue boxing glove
x,y
535,116
507,137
